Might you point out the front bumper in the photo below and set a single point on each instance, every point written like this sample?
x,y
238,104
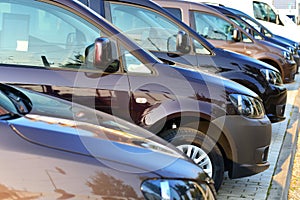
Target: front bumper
x,y
275,103
249,141
289,71
297,60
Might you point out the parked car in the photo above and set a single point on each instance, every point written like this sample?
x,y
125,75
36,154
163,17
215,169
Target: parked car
x,y
228,12
226,34
266,14
154,34
258,31
65,50
55,149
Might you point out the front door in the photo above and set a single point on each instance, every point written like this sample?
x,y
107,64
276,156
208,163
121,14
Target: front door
x,y
44,47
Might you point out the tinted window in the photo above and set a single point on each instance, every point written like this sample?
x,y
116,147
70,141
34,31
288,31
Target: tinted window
x,y
176,12
247,28
42,35
149,29
212,27
264,12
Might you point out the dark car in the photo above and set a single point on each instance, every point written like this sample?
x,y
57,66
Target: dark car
x,y
62,48
230,13
55,149
259,31
155,29
226,34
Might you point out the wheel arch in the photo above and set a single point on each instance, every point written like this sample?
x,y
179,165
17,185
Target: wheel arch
x,y
274,64
204,125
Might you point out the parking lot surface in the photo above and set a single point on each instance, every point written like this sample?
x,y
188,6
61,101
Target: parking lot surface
x,y
274,182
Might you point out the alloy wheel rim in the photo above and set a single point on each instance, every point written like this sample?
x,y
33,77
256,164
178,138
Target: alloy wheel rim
x,y
199,156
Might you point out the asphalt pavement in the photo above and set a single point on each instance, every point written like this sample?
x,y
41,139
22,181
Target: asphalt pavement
x,y
282,180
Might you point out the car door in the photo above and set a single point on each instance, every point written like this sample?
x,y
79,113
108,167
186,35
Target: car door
x,y
150,29
44,47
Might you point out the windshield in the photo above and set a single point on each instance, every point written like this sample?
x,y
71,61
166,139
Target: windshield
x,y
264,12
255,24
42,35
212,27
246,27
47,36
150,29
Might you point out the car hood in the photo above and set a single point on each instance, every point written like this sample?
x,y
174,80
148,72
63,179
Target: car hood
x,y
116,149
214,83
274,48
278,37
229,59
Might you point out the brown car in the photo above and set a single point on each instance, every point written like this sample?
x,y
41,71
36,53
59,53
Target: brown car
x,y
224,33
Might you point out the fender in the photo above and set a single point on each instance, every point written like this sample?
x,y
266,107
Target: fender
x,y
157,117
212,120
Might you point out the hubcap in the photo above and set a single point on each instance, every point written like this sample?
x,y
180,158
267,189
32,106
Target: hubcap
x,y
198,156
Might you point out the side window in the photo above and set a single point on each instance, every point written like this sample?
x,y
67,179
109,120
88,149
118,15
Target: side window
x,y
256,35
176,12
132,65
264,12
38,34
200,49
246,39
212,27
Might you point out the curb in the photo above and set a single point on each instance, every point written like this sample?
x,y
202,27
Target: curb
x,y
281,179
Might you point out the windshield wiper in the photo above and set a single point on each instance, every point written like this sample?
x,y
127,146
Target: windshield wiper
x,y
149,39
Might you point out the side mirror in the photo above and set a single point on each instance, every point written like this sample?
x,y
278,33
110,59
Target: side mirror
x,y
277,21
236,35
100,56
183,42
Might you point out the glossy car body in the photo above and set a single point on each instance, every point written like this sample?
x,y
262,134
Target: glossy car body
x,y
221,34
230,13
265,33
239,68
264,12
55,149
72,53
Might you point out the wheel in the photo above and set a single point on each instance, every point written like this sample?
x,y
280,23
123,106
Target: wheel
x,y
201,149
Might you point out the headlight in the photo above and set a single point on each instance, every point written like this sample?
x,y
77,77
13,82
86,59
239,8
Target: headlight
x,y
297,46
292,50
176,189
287,55
272,77
247,106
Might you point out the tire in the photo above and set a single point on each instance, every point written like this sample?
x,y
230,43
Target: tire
x,y
201,149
